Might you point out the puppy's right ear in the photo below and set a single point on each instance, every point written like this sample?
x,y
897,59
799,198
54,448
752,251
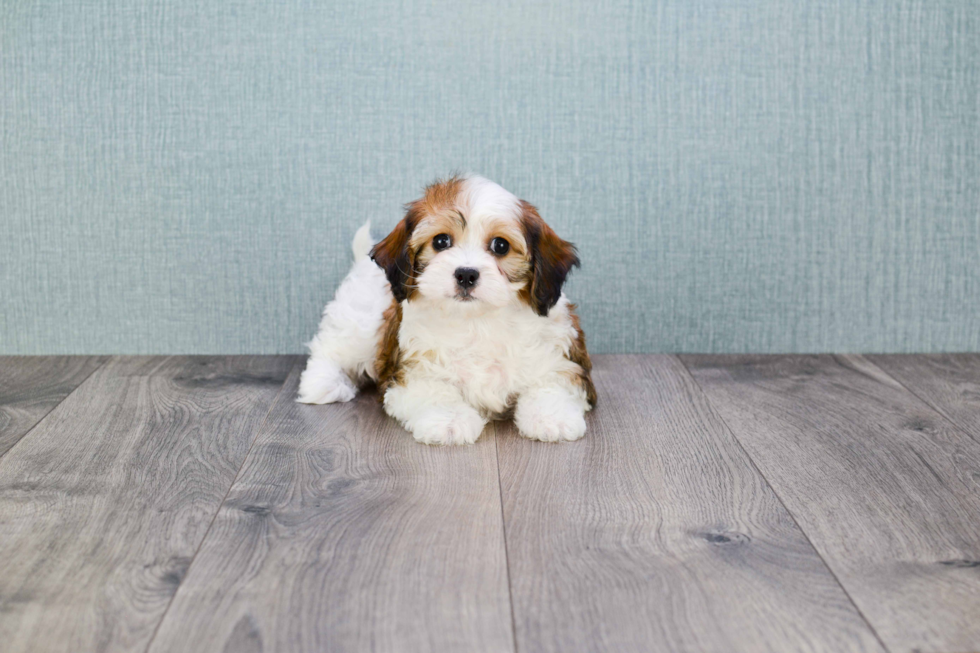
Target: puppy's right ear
x,y
551,260
392,255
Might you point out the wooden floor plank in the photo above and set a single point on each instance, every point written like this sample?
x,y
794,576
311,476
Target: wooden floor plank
x,y
103,506
886,489
950,383
656,533
344,534
31,386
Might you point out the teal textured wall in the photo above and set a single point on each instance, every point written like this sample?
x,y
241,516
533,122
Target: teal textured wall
x,y
771,175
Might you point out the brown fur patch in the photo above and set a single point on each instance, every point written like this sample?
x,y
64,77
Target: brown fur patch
x,y
580,355
516,263
401,251
393,256
551,260
387,365
428,228
440,195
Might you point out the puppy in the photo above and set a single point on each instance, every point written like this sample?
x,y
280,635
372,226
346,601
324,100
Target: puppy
x,y
459,317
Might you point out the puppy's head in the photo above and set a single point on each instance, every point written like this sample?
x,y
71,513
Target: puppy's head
x,y
468,243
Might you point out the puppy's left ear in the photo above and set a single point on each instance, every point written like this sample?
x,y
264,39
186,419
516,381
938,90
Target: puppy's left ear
x,y
551,260
392,256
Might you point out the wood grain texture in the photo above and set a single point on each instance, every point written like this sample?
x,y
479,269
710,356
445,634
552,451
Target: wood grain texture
x,y
103,506
344,534
656,533
886,489
31,386
949,383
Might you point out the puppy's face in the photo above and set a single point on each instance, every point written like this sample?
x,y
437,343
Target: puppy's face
x,y
470,243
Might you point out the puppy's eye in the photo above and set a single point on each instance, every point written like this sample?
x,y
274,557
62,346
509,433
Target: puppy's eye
x,y
441,242
499,246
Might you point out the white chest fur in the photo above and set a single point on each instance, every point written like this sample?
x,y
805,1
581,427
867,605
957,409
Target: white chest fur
x,y
492,355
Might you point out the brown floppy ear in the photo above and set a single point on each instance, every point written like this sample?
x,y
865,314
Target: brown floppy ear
x,y
551,260
393,256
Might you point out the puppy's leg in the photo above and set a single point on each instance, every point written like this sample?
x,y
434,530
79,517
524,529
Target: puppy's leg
x,y
343,352
434,412
551,413
324,382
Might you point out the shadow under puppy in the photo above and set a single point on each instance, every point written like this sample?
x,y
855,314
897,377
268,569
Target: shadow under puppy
x,y
459,319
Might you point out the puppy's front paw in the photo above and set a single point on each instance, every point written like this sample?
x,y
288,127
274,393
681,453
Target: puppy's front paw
x,y
456,425
323,382
550,415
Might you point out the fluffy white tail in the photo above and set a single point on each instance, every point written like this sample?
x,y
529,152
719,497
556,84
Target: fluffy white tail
x,y
362,242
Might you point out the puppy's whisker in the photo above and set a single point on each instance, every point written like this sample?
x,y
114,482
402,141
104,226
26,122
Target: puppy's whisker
x,y
399,268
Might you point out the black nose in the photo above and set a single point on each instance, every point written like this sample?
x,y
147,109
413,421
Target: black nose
x,y
466,277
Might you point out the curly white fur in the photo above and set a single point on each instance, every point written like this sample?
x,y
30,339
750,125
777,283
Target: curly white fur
x,y
343,351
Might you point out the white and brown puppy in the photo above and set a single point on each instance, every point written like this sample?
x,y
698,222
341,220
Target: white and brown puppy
x,y
459,319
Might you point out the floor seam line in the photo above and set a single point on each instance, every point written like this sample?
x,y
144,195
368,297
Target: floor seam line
x,y
214,517
503,530
789,512
53,408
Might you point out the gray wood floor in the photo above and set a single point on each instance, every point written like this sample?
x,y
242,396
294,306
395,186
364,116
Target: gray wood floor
x,y
718,503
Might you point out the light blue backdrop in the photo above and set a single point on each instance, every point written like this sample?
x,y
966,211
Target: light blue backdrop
x,y
771,175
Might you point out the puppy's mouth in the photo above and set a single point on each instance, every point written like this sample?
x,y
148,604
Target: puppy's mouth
x,y
464,296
